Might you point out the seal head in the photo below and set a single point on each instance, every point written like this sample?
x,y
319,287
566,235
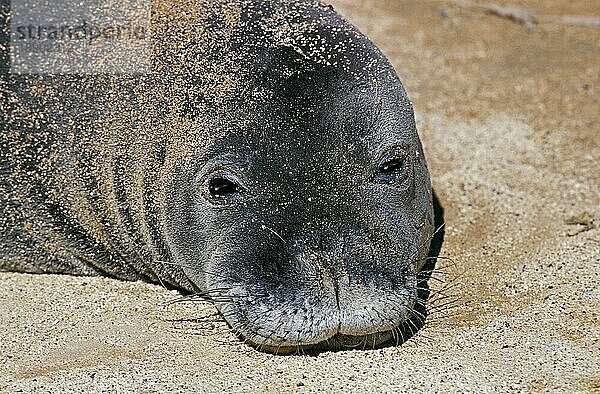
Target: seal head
x,y
309,218
268,161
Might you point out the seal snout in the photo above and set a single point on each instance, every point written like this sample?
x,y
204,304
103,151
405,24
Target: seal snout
x,y
326,294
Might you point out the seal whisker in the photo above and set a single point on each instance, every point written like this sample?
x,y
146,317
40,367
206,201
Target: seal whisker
x,y
195,268
213,296
426,242
421,316
446,306
448,286
412,322
408,324
440,257
197,298
265,227
443,269
401,335
395,336
442,296
434,278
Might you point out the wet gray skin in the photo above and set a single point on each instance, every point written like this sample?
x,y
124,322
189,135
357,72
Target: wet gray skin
x,y
269,162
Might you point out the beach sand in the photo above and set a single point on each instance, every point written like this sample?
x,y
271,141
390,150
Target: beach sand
x,y
510,121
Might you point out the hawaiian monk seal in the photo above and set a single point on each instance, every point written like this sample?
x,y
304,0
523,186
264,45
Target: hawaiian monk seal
x,y
268,161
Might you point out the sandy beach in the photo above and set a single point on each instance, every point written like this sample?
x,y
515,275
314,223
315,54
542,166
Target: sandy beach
x,y
509,116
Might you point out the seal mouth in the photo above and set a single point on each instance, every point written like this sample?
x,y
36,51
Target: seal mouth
x,y
339,342
294,339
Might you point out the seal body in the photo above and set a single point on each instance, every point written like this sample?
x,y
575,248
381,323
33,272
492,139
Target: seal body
x,y
268,161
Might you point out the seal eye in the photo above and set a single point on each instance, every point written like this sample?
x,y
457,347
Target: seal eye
x,y
222,187
391,166
391,170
